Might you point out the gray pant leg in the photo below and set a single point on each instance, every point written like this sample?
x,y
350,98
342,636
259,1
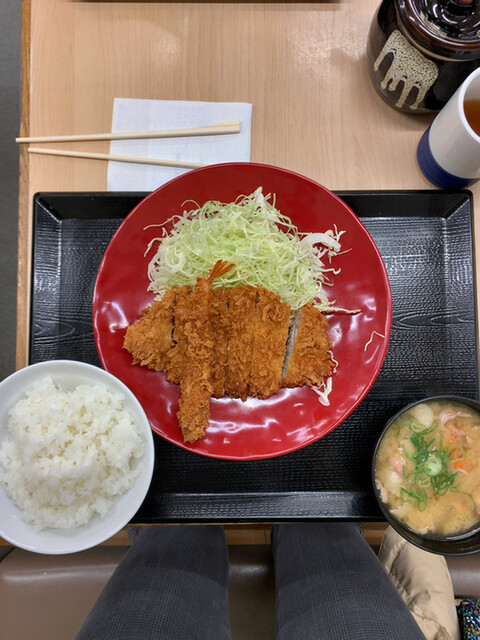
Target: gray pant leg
x,y
331,586
171,585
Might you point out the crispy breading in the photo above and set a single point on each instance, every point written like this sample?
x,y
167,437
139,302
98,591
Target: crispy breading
x,y
175,357
272,319
241,312
195,386
228,342
150,338
219,320
309,362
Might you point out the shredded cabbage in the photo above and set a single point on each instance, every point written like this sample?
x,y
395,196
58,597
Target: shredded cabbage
x,y
325,389
265,247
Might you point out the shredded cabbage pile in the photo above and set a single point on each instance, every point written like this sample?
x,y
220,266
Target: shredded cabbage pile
x,y
265,247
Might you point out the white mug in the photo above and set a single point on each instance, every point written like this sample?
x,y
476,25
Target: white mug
x,y
449,151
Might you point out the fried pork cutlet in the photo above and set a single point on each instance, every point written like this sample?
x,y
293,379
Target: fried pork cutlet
x,y
150,338
228,342
219,320
175,357
241,312
195,384
309,361
272,319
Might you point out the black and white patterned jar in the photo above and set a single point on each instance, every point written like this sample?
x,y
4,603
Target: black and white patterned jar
x,y
420,51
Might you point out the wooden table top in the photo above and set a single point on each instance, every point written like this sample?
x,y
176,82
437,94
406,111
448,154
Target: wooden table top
x,y
301,66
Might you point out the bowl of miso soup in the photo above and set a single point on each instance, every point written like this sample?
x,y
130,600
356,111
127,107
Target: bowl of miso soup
x,y
426,474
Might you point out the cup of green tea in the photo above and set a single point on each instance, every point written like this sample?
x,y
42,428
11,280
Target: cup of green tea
x,y
448,153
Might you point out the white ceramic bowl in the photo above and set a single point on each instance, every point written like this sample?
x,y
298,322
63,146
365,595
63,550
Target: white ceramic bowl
x,y
68,374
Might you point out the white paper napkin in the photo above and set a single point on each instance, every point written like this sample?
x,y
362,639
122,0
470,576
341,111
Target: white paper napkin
x,y
146,115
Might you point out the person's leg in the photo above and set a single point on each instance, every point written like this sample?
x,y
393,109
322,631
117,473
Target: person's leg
x,y
331,586
171,585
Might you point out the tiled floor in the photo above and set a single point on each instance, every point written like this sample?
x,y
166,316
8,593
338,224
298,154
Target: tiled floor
x,y
9,126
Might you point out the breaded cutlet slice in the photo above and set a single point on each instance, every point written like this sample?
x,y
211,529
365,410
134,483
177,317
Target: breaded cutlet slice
x,y
176,355
272,320
308,359
219,321
241,312
150,337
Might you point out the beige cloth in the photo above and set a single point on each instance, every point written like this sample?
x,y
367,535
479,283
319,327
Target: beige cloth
x,y
424,582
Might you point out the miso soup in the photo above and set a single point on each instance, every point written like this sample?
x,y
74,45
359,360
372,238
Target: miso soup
x,y
427,468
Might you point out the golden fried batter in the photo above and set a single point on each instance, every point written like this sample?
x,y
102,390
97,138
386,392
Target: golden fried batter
x,y
219,320
310,361
272,319
175,357
195,384
241,312
150,338
228,342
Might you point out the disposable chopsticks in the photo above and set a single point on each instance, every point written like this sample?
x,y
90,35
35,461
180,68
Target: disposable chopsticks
x,y
210,130
115,158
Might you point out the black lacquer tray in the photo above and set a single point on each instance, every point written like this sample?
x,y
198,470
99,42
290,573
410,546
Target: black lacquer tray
x,y
425,238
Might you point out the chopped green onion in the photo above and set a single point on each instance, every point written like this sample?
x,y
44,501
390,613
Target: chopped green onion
x,y
416,496
423,480
432,473
452,448
474,504
433,466
407,455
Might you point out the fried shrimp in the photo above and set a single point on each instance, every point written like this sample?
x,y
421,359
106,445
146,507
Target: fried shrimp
x,y
195,383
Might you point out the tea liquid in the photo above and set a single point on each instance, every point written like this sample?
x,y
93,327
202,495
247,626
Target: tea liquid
x,y
472,113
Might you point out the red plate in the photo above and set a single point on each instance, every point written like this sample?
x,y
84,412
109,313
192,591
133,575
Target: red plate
x,y
293,418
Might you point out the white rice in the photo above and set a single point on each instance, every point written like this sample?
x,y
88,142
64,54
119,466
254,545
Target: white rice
x,y
69,454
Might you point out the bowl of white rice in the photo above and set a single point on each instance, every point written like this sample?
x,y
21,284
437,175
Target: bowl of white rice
x,y
76,457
